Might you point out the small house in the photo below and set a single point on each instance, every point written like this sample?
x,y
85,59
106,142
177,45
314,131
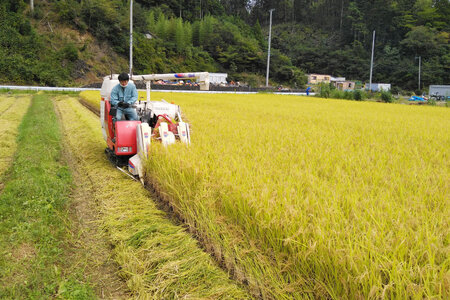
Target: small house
x,y
344,85
318,78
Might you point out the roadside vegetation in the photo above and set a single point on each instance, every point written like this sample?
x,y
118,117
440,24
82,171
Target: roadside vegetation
x,y
34,223
326,90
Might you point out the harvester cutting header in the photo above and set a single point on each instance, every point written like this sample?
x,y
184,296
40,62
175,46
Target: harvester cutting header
x,y
129,140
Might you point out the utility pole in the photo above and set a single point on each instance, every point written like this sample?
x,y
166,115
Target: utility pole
x,y
268,50
420,62
32,5
371,61
131,38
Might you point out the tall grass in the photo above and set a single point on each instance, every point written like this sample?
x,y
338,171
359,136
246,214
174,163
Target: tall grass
x,y
313,197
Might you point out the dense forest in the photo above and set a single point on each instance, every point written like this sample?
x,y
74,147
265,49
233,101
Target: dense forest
x,y
308,36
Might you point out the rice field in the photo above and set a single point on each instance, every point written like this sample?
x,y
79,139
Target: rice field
x,y
12,110
305,197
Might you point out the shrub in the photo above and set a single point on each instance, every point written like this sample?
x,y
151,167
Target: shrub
x,y
395,90
337,94
348,95
324,90
358,95
386,97
70,52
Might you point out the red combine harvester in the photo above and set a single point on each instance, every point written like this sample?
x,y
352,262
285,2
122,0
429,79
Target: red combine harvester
x,y
129,141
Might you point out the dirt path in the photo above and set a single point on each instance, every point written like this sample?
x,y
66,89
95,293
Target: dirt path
x,y
91,248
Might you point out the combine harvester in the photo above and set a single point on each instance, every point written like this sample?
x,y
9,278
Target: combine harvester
x,y
129,141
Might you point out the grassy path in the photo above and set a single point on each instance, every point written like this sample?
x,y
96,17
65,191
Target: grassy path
x,y
34,225
158,259
12,110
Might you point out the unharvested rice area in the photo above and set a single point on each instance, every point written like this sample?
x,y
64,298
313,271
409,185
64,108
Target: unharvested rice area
x,y
307,197
12,109
91,99
158,259
304,197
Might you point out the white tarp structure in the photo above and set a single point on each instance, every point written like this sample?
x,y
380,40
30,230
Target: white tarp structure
x,y
440,90
218,78
378,87
201,77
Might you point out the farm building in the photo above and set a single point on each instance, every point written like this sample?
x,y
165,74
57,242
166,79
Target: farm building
x,y
318,78
341,84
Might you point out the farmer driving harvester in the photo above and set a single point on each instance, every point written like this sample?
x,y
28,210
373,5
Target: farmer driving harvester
x,y
123,96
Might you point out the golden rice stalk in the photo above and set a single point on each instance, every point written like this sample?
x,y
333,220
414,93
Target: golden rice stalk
x,y
316,198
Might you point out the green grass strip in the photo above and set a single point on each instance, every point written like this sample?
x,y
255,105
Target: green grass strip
x,y
33,221
158,259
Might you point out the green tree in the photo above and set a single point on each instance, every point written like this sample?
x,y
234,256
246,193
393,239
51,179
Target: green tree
x,y
151,21
162,26
188,32
180,36
424,41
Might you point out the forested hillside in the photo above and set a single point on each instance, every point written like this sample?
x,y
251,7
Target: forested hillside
x,y
78,41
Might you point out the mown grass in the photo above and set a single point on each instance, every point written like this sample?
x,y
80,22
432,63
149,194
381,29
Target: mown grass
x,y
313,197
158,259
33,220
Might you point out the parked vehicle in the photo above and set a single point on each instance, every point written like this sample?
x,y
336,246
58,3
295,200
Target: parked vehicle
x,y
417,98
438,97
